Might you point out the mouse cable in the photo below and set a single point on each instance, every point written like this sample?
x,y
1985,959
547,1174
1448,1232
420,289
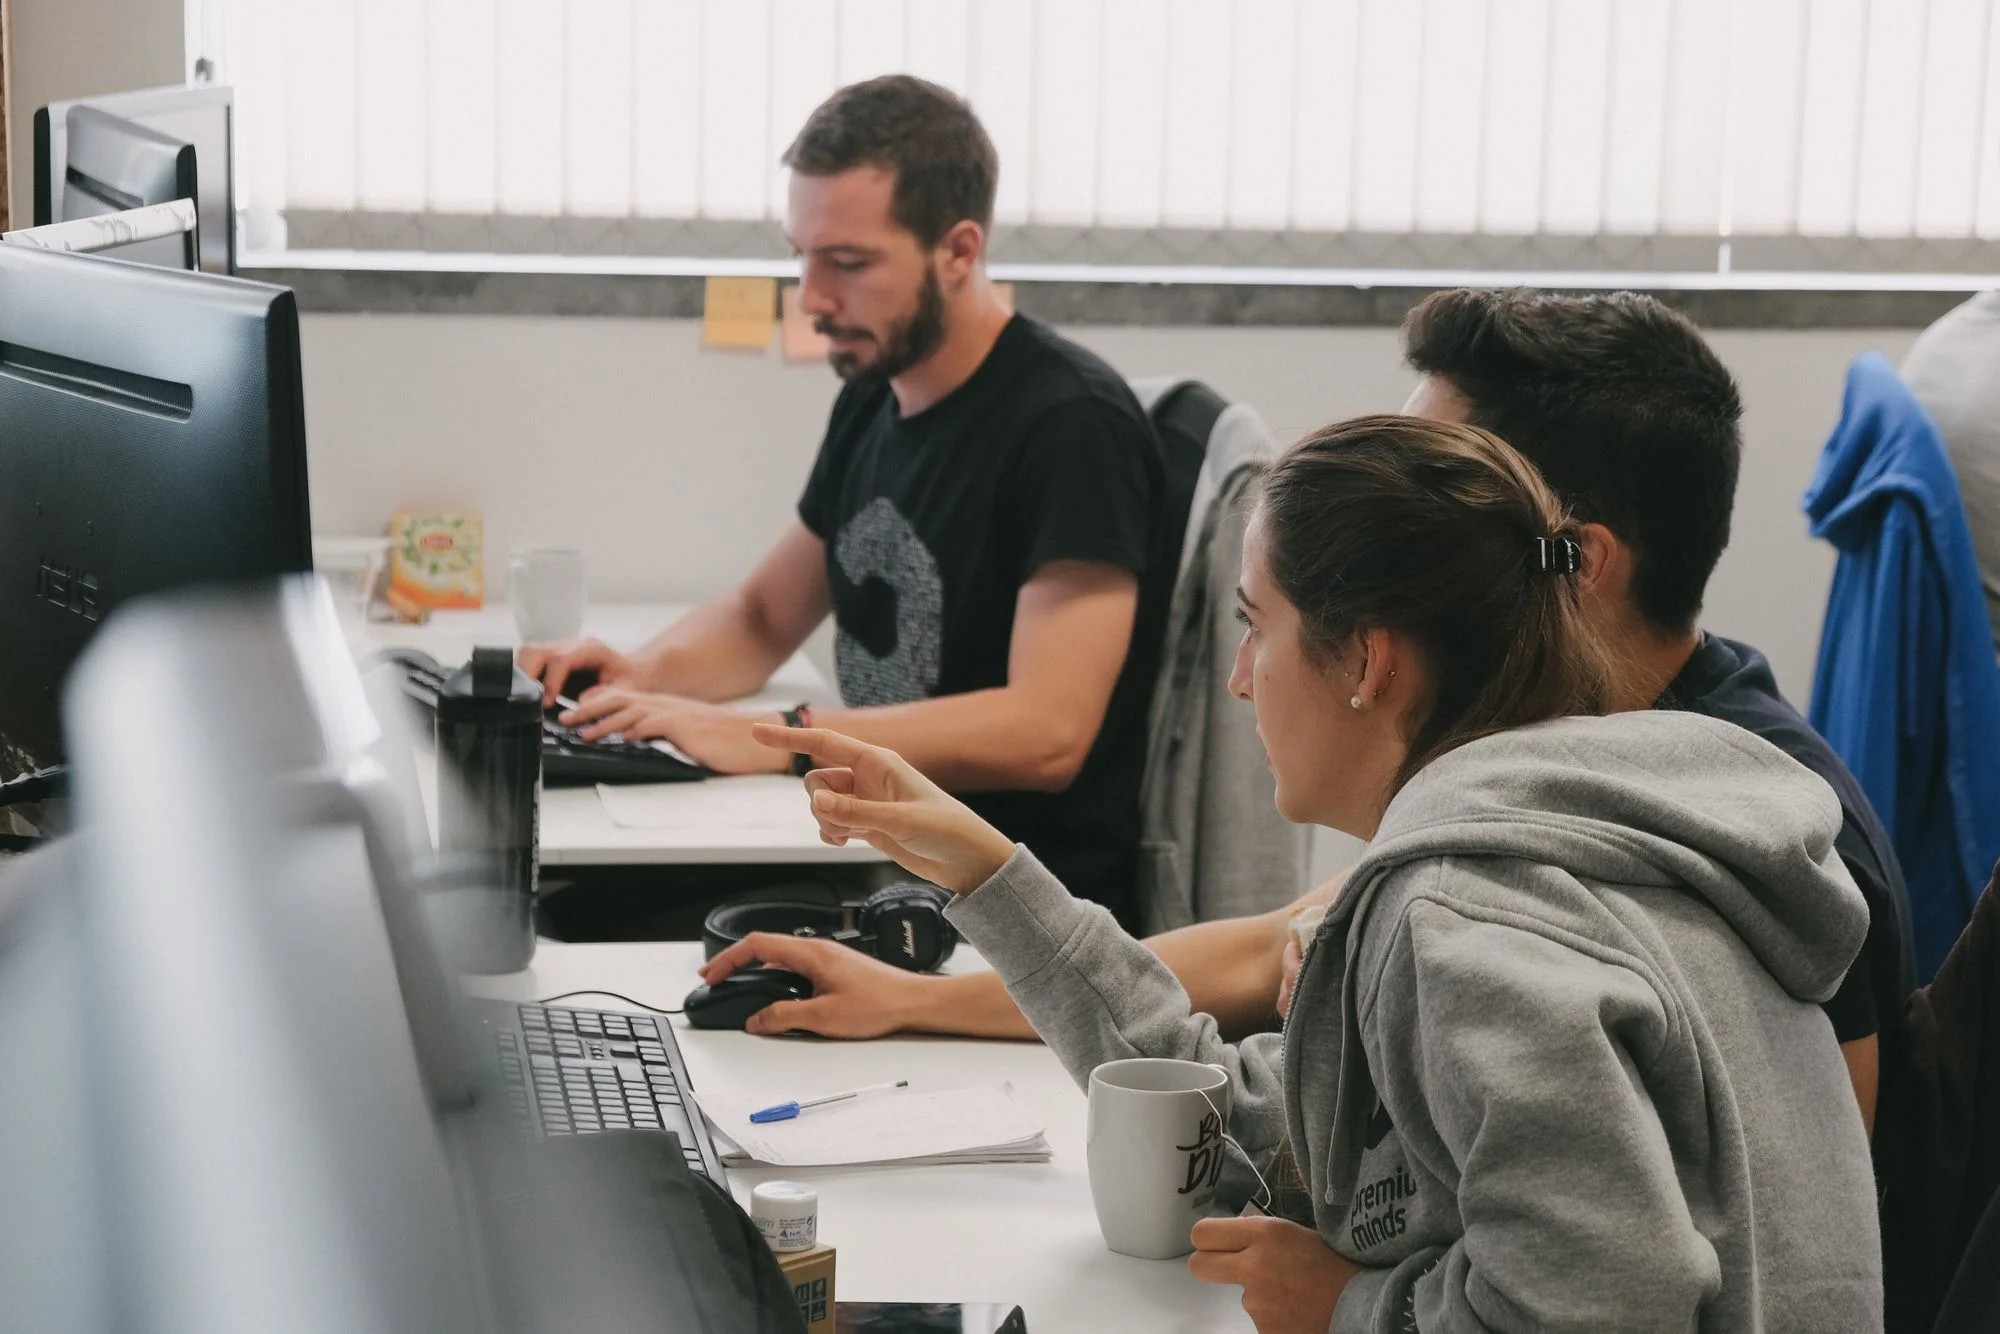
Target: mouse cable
x,y
615,995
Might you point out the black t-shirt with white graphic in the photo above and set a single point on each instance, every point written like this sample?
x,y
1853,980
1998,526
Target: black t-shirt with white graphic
x,y
933,523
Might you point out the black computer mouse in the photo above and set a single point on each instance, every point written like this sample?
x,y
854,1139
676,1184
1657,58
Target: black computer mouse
x,y
735,998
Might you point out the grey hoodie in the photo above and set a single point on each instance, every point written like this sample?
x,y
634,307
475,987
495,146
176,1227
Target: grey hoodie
x,y
1554,1058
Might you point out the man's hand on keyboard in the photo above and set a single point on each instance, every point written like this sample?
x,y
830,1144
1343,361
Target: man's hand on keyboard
x,y
710,734
553,664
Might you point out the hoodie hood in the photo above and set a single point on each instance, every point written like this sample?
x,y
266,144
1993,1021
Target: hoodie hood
x,y
1649,799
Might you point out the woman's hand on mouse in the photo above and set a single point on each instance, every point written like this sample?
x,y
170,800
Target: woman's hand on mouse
x,y
865,792
854,995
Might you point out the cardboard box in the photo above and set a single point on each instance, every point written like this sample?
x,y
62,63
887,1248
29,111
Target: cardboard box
x,y
811,1276
435,560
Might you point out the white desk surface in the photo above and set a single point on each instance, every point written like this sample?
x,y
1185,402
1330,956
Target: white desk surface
x,y
766,818
1013,1232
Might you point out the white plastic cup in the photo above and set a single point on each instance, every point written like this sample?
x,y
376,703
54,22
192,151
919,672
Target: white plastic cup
x,y
545,589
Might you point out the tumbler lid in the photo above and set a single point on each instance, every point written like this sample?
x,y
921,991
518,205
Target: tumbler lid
x,y
490,689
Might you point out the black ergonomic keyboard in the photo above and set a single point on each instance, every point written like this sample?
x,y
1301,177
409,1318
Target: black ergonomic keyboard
x,y
584,1072
567,759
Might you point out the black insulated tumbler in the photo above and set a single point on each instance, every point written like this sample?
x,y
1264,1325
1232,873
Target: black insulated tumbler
x,y
489,749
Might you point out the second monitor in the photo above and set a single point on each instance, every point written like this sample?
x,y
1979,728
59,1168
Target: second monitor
x,y
155,438
199,116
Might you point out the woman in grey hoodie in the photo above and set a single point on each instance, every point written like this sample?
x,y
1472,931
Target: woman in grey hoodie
x,y
1553,1060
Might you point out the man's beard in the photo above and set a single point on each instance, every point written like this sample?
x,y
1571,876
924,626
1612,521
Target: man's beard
x,y
909,341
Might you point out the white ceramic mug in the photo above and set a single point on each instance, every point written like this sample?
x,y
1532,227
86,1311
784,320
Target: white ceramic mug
x,y
1155,1151
545,588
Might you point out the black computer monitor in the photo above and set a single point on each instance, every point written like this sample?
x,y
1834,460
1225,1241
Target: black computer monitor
x,y
227,930
116,164
234,1090
200,115
152,436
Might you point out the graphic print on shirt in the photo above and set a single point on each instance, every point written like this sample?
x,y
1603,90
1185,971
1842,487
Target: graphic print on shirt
x,y
1379,1212
881,554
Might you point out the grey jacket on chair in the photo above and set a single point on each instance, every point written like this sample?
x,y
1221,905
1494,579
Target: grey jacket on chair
x,y
1212,842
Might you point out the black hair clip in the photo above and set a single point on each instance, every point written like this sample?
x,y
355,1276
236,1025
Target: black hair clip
x,y
1557,555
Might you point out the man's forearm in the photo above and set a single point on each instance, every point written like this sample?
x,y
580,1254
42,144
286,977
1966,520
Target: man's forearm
x,y
1229,968
974,1005
717,652
981,741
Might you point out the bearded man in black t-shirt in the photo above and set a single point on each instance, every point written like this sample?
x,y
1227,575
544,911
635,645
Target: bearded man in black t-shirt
x,y
984,520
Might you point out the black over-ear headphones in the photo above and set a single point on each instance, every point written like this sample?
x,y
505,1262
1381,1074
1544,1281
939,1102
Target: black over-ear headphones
x,y
903,924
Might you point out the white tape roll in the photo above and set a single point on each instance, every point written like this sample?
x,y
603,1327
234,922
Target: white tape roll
x,y
787,1213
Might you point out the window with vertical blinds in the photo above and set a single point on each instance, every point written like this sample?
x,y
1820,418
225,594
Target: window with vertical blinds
x,y
1520,135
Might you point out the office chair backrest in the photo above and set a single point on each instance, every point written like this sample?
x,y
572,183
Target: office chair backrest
x,y
1212,843
1184,416
1937,1141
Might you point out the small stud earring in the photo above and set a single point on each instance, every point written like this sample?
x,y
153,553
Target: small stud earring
x,y
1354,703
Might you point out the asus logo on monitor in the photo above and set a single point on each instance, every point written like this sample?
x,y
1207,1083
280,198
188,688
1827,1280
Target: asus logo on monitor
x,y
72,590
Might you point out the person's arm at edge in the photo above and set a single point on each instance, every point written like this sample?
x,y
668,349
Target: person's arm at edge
x,y
728,647
1864,1071
1230,969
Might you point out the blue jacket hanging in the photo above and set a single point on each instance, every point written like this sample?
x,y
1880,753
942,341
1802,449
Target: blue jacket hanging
x,y
1907,690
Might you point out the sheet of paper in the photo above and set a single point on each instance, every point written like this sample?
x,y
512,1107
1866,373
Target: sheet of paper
x,y
1036,1150
739,312
724,805
880,1128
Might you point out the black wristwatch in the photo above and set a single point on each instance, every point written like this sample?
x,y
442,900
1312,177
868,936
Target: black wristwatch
x,y
801,716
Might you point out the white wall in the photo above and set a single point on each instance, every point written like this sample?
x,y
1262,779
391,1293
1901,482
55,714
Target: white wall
x,y
74,48
674,465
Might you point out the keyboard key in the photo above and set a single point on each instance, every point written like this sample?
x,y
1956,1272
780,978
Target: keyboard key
x,y
624,1053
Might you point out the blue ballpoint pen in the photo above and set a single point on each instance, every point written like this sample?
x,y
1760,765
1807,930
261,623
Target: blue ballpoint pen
x,y
785,1111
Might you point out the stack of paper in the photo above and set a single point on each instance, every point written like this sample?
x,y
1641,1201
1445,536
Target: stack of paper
x,y
964,1125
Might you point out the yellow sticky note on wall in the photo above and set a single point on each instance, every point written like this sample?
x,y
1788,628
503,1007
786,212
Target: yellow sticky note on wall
x,y
801,341
739,312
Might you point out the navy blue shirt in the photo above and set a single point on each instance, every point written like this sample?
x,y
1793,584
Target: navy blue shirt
x,y
1733,682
